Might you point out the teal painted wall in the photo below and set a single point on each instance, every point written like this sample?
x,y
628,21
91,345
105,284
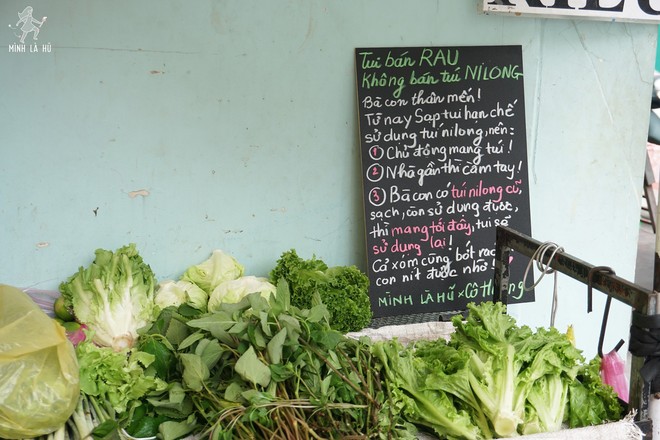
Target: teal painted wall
x,y
191,126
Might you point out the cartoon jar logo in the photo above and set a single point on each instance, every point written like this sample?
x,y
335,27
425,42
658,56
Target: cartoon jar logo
x,y
27,24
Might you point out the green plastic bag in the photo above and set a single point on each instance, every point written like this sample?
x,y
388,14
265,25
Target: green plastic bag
x,y
39,385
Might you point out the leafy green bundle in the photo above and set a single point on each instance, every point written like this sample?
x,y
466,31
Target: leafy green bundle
x,y
494,379
589,401
263,368
343,289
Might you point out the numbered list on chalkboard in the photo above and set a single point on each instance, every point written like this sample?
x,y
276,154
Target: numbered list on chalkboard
x,y
444,161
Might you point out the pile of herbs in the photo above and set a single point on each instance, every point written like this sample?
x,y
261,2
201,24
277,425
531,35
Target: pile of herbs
x,y
263,368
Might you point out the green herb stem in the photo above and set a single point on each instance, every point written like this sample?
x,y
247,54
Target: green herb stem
x,y
339,373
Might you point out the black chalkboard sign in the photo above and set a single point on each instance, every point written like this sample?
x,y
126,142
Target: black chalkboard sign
x,y
444,160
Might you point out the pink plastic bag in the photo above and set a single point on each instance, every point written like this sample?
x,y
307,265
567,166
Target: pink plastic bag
x,y
612,371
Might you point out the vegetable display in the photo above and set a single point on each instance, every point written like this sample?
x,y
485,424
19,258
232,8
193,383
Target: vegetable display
x,y
494,379
224,355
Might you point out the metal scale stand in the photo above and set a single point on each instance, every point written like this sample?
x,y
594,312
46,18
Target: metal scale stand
x,y
644,303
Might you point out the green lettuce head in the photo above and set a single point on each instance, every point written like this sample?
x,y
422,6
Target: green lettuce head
x,y
208,275
234,290
113,296
176,293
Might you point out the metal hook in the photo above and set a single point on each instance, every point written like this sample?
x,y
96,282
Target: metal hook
x,y
592,271
603,325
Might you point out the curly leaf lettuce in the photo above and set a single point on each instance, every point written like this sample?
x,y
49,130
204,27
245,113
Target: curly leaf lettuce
x,y
343,289
490,334
116,377
449,373
519,377
510,379
418,403
590,400
113,297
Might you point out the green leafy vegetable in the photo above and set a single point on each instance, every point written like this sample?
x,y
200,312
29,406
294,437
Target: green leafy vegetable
x,y
433,408
163,365
252,369
507,360
546,405
234,357
143,424
116,377
172,430
233,291
303,276
504,379
590,401
218,268
343,289
554,367
175,293
114,296
448,371
263,368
